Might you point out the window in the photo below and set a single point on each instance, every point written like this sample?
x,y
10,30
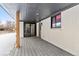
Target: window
x,y
56,21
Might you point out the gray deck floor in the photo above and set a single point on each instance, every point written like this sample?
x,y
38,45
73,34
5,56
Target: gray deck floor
x,y
33,46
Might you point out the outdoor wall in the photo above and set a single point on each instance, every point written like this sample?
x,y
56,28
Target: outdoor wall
x,y
21,29
66,37
37,27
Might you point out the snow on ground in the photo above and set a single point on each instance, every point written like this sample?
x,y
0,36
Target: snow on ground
x,y
7,42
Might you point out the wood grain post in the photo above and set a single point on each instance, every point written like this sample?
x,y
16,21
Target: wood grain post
x,y
17,29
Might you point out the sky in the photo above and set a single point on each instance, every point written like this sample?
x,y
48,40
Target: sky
x,y
4,16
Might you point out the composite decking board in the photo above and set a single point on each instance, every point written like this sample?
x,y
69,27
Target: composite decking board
x,y
23,49
33,46
32,49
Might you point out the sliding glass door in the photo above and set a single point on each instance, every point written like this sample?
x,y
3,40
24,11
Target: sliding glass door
x,y
29,30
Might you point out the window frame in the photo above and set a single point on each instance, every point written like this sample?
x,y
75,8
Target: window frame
x,y
55,21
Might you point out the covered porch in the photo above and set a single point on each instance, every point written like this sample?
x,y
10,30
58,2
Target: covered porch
x,y
30,14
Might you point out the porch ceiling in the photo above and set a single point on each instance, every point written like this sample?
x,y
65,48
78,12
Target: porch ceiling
x,y
33,12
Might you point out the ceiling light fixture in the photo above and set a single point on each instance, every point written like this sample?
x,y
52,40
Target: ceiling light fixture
x,y
37,14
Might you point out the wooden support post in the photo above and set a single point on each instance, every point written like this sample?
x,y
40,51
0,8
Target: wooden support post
x,y
17,29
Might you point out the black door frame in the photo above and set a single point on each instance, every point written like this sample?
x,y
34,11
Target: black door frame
x,y
40,24
30,28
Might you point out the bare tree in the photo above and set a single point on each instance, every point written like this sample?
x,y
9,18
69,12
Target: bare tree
x,y
10,25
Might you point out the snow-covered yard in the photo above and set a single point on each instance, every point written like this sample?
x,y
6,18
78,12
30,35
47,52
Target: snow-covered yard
x,y
7,42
